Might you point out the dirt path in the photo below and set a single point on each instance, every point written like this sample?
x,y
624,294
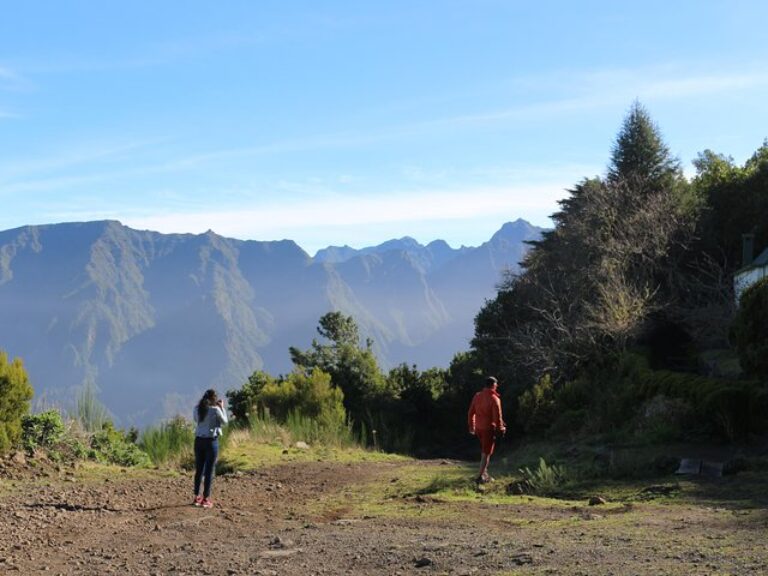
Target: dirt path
x,y
300,519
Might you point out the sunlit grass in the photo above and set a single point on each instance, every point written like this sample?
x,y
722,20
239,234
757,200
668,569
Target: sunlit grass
x,y
169,444
264,442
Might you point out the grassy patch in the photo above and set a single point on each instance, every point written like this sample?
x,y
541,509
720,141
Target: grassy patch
x,y
170,444
447,490
245,451
436,491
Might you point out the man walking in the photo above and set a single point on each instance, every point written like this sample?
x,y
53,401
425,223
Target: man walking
x,y
485,421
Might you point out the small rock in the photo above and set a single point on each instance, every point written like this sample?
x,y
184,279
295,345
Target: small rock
x,y
278,542
521,559
423,562
276,554
302,445
18,458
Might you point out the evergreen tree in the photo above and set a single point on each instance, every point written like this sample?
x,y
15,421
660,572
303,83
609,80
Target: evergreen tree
x,y
353,368
736,203
640,156
589,286
15,394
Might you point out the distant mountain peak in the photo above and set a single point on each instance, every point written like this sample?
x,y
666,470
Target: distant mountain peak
x,y
142,314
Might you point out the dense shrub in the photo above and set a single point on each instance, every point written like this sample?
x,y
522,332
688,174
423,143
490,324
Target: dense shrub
x,y
303,394
630,399
728,408
604,396
43,430
62,440
750,330
112,446
15,394
663,419
537,406
243,402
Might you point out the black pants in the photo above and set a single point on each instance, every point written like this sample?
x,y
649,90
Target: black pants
x,y
206,454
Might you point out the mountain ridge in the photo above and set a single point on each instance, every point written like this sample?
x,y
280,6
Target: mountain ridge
x,y
149,320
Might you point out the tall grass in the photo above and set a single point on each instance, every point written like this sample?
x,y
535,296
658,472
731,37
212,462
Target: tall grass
x,y
89,412
332,435
297,427
263,428
170,443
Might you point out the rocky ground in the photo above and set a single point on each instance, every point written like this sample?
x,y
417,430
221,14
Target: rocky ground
x,y
306,518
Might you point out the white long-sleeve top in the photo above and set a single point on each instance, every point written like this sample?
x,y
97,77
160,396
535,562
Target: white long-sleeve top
x,y
210,425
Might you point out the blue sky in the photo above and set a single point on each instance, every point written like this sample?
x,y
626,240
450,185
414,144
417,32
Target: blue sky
x,y
355,122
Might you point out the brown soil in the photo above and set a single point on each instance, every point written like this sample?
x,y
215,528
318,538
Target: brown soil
x,y
270,522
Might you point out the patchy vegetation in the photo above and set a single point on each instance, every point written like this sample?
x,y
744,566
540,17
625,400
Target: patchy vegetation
x,y
295,511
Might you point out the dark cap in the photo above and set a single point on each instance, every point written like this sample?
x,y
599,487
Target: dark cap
x,y
490,381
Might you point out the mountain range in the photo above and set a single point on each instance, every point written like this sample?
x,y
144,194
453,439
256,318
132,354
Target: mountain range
x,y
149,320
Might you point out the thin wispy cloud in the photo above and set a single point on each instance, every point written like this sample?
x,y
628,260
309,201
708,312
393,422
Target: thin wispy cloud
x,y
267,121
600,89
702,85
149,54
24,174
344,211
8,78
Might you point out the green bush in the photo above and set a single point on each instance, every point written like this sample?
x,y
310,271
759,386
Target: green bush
x,y
112,446
569,423
303,394
43,430
537,406
729,408
15,394
750,330
661,419
605,395
244,402
622,399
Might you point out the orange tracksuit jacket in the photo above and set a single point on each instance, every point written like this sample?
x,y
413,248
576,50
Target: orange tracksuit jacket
x,y
485,411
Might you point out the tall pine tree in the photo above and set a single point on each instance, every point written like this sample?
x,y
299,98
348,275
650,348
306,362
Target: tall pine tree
x,y
590,284
640,157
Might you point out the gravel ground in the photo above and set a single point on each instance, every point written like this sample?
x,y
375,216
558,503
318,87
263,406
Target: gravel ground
x,y
292,520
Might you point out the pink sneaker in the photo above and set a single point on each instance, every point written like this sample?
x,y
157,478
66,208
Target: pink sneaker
x,y
207,503
198,501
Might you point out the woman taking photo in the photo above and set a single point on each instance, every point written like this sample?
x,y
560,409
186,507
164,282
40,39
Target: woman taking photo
x,y
210,416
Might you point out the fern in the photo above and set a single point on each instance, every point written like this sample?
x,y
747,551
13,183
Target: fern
x,y
546,478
